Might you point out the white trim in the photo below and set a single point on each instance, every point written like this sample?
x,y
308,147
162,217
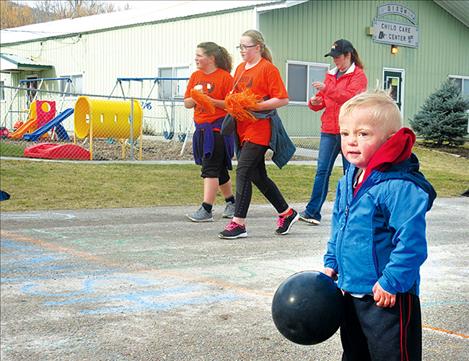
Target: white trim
x,y
173,66
308,81
462,77
256,19
307,63
402,71
459,76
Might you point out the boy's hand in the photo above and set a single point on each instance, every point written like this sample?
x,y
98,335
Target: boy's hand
x,y
331,273
383,299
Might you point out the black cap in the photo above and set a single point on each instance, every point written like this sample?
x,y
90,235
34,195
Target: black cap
x,y
340,47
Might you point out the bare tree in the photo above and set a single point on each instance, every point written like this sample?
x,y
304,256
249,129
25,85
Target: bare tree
x,y
13,15
73,8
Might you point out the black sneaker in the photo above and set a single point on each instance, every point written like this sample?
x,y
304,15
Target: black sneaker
x,y
233,230
284,223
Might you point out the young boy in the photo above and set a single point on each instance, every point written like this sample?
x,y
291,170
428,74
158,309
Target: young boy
x,y
378,239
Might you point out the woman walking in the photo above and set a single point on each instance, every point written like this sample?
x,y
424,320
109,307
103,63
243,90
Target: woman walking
x,y
261,77
211,150
343,82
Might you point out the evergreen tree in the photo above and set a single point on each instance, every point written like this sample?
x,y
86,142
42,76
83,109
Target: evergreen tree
x,y
442,118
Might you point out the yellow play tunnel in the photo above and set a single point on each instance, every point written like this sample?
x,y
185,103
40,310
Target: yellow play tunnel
x,y
106,118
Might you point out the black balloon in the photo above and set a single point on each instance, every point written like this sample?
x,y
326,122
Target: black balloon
x,y
308,308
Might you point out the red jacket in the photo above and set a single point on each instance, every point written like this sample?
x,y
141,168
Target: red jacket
x,y
336,93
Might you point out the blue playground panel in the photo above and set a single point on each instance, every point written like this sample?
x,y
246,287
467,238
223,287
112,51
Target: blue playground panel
x,y
56,122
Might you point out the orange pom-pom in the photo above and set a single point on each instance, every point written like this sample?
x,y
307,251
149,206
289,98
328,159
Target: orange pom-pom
x,y
203,101
237,105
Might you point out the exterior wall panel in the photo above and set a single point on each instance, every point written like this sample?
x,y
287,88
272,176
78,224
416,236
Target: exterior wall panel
x,y
306,32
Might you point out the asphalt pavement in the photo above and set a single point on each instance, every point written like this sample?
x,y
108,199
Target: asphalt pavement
x,y
147,284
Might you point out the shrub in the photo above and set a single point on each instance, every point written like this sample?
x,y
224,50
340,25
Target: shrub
x,y
442,119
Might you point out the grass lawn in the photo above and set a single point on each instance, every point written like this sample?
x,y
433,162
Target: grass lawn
x,y
12,150
47,185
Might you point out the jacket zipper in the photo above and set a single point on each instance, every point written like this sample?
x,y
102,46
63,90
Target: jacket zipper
x,y
342,230
373,246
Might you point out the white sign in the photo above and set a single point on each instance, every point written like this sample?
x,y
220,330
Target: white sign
x,y
397,9
387,32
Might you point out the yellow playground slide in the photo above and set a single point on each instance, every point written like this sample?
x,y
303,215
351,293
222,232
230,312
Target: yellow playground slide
x,y
29,126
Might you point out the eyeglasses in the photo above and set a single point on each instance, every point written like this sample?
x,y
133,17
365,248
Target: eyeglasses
x,y
244,47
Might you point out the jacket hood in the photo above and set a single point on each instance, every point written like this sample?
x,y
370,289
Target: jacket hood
x,y
409,169
394,159
395,150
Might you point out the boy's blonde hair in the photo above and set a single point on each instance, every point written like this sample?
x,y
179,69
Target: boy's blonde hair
x,y
383,109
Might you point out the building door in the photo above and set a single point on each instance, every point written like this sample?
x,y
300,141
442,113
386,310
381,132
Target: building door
x,y
32,86
393,79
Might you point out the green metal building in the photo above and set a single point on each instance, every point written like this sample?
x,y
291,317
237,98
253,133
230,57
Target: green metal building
x,y
300,36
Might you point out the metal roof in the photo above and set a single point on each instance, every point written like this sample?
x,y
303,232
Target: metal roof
x,y
459,9
169,10
11,62
159,11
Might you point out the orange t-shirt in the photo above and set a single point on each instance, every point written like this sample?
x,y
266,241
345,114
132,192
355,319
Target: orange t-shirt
x,y
216,85
264,80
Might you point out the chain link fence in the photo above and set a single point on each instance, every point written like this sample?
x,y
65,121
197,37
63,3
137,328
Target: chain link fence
x,y
52,124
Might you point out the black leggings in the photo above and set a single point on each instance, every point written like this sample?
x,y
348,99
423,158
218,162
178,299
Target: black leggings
x,y
373,333
251,169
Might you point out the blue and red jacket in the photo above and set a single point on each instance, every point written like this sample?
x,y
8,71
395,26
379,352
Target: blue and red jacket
x,y
378,231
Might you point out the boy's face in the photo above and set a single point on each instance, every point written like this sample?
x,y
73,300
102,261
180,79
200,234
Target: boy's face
x,y
361,137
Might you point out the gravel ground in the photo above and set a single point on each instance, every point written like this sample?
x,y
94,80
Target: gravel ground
x,y
153,148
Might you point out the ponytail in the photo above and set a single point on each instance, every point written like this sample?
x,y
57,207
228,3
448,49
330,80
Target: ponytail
x,y
356,59
222,57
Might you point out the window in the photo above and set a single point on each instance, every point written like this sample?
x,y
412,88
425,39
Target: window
x,y
2,91
463,83
181,85
170,89
164,88
300,75
394,82
32,85
76,85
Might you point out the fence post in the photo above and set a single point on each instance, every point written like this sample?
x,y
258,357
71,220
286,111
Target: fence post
x,y
132,129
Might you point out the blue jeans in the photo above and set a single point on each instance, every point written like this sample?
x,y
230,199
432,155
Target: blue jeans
x,y
329,149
